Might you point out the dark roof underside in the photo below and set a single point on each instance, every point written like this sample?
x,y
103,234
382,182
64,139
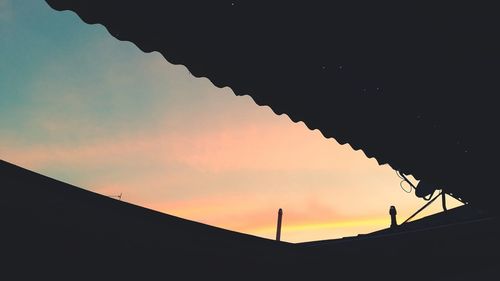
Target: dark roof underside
x,y
412,85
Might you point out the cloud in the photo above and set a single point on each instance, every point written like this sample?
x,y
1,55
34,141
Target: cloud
x,y
279,146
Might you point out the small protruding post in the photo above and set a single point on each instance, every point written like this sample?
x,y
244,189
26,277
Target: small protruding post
x,y
443,201
393,213
278,229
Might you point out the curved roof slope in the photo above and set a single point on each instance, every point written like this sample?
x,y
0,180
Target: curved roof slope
x,y
413,85
55,229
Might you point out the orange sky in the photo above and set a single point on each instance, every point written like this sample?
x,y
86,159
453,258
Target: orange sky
x,y
115,120
235,175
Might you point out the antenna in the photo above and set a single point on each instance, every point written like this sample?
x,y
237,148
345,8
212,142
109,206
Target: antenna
x,y
117,196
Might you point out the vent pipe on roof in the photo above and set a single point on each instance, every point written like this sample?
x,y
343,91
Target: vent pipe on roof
x,y
393,213
278,229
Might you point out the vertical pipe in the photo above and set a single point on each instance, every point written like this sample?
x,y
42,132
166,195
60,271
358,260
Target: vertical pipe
x,y
393,213
278,229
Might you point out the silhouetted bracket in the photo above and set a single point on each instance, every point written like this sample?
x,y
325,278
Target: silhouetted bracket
x,y
423,207
443,201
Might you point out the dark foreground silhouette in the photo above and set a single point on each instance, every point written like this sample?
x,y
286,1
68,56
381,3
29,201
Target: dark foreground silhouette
x,y
411,84
51,230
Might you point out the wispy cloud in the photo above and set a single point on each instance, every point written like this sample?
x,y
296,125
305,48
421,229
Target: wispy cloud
x,y
235,176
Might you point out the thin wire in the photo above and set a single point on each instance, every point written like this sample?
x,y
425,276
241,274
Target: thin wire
x,y
428,197
401,183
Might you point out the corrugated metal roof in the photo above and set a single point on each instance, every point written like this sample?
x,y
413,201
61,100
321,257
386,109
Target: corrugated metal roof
x,y
413,85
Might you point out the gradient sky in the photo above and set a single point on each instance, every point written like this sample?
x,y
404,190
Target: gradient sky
x,y
82,107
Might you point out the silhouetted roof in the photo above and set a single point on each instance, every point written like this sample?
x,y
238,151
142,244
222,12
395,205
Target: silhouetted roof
x,y
463,217
413,85
55,230
50,228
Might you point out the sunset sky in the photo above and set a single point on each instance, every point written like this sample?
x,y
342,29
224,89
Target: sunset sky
x,y
82,107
